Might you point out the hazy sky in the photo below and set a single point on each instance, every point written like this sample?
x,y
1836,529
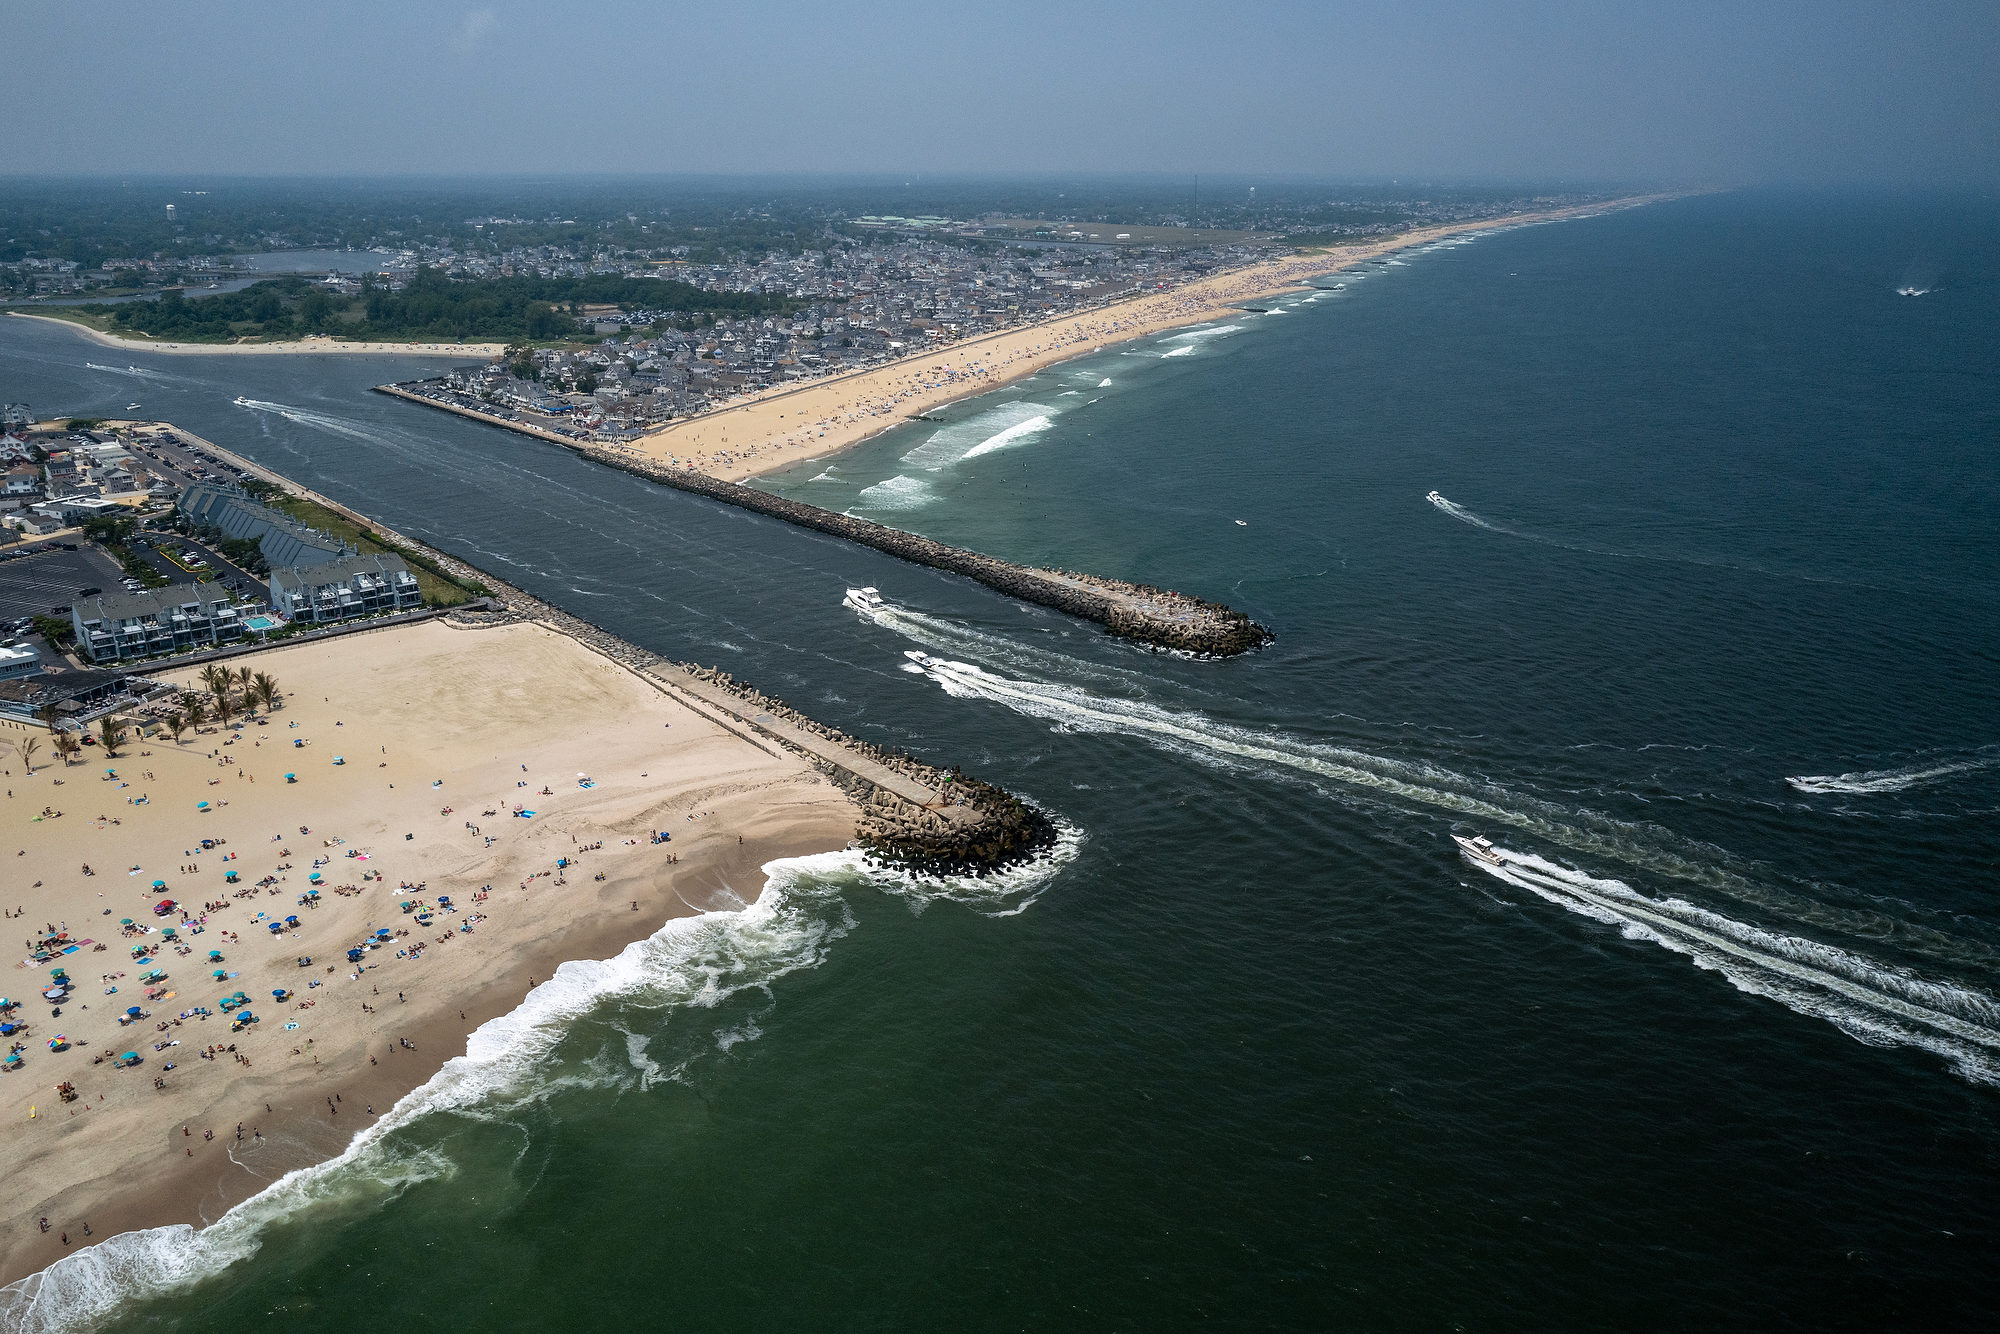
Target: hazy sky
x,y
1677,90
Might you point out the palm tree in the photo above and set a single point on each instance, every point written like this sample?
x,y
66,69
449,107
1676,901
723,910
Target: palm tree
x,y
215,678
267,689
244,678
225,709
195,708
175,726
28,745
109,733
67,746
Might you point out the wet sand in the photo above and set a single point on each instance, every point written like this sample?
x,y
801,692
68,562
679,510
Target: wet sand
x,y
434,704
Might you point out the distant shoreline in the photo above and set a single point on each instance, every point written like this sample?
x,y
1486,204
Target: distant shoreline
x,y
295,347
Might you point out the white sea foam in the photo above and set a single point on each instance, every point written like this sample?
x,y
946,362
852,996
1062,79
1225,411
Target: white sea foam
x,y
1364,777
979,434
1886,780
1104,384
1870,1001
1215,332
898,493
320,421
691,962
1183,350
137,372
1016,434
828,476
1464,515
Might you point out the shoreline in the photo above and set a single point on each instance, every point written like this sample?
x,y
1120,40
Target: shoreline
x,y
786,810
296,347
854,407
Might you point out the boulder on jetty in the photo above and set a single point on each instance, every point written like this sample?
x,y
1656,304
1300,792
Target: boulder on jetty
x,y
1157,616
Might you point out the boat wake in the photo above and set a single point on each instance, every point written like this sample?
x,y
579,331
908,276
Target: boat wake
x,y
137,372
1869,1001
698,962
1969,1024
1887,780
1464,515
319,421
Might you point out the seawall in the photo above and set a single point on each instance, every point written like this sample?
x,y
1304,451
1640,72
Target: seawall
x,y
1156,616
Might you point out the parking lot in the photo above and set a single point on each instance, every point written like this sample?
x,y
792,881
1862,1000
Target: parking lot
x,y
44,584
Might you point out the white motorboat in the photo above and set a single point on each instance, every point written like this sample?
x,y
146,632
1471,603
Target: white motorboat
x,y
1434,497
921,658
1480,849
864,600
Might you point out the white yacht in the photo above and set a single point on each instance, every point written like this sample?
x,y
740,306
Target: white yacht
x,y
864,600
1480,849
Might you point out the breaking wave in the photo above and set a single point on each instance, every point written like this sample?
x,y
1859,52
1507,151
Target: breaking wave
x,y
898,493
512,1061
1886,780
987,431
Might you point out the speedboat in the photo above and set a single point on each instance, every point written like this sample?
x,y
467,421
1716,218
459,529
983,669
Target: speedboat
x,y
1434,497
921,658
1480,849
864,599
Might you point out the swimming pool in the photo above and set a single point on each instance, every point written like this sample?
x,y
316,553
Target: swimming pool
x,y
261,623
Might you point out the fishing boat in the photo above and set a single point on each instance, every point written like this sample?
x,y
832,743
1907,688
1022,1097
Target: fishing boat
x,y
1480,849
864,600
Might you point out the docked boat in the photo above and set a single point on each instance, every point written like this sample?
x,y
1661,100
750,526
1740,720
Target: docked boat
x,y
865,600
1480,849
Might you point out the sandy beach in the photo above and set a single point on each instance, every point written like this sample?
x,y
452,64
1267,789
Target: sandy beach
x,y
291,347
411,749
824,417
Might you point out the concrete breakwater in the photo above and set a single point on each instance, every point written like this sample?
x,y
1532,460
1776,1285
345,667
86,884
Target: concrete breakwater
x,y
1157,616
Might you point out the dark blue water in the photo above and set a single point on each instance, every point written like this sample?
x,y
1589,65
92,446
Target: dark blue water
x,y
1703,624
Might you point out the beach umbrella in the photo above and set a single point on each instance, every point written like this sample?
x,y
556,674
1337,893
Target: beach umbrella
x,y
159,884
134,1011
221,975
126,921
201,805
215,954
131,1056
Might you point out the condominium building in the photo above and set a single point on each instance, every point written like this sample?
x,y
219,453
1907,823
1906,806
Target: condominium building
x,y
117,626
353,585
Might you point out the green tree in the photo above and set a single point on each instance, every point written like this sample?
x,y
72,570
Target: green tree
x,y
110,735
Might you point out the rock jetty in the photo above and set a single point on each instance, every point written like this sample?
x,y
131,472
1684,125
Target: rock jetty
x,y
1157,616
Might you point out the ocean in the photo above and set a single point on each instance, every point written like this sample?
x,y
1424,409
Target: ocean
x,y
1655,546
